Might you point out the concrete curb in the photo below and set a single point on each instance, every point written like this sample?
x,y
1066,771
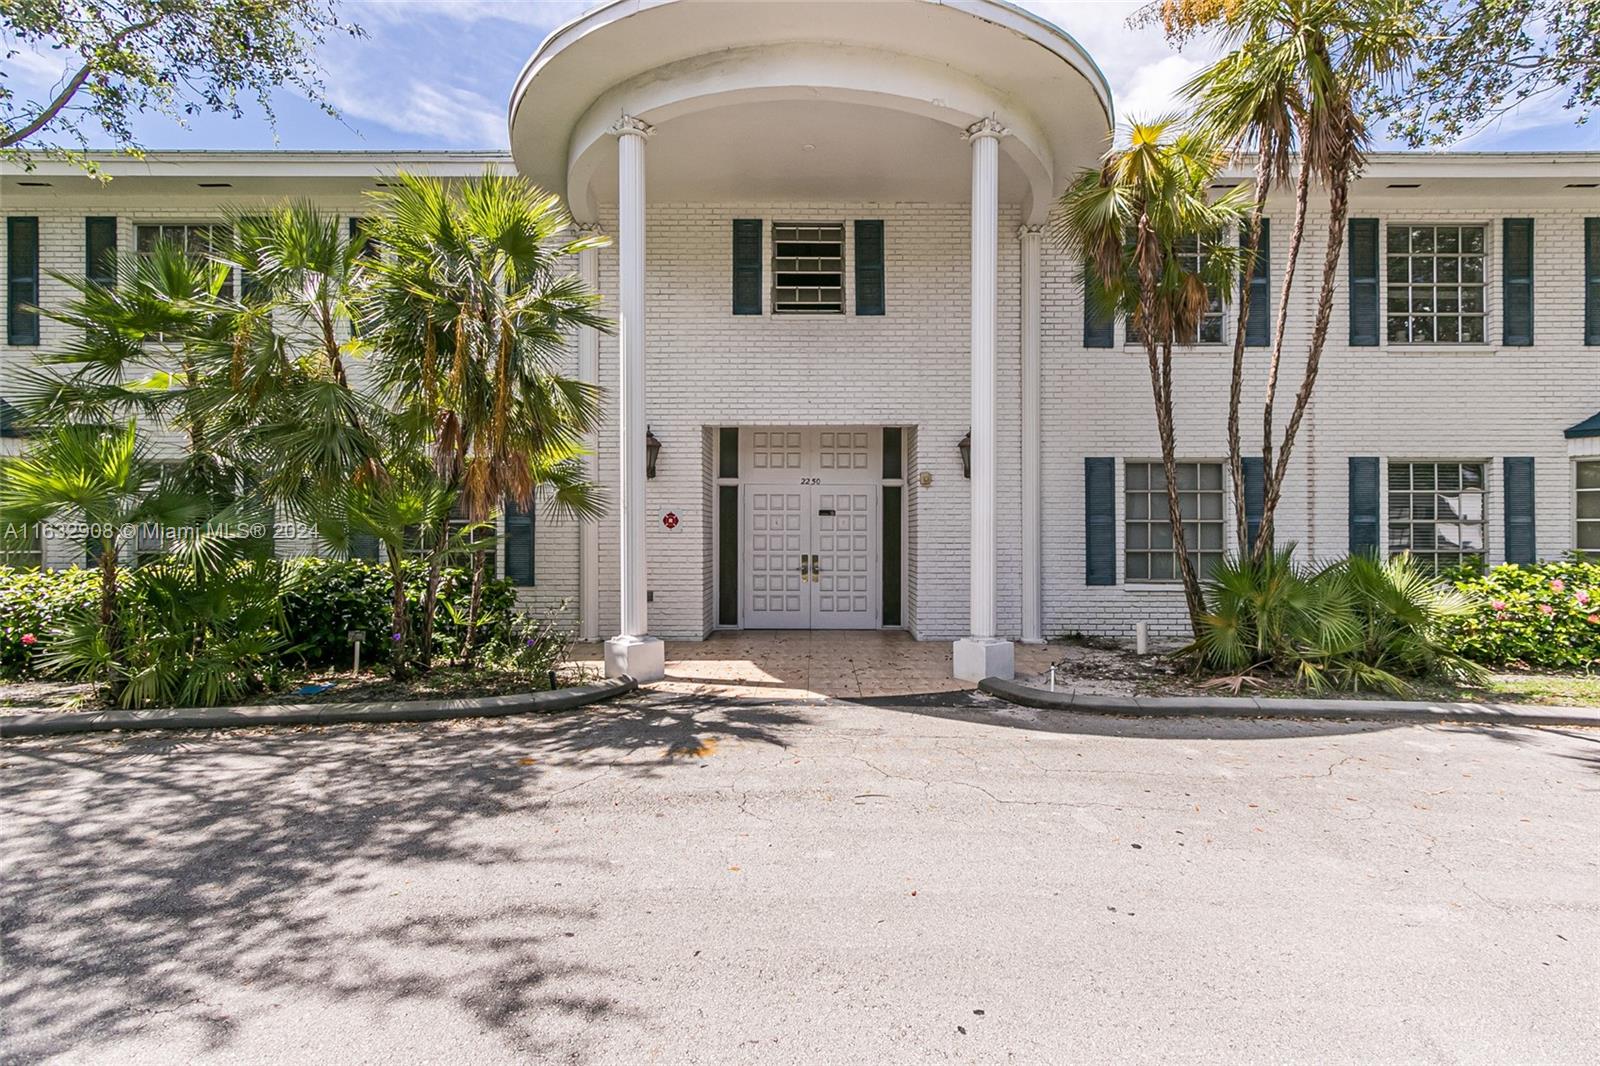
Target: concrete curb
x,y
565,699
1249,707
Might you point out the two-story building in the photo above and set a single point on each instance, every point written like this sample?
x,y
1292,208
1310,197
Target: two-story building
x,y
855,384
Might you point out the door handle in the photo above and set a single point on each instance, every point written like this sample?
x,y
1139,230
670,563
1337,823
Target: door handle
x,y
805,567
816,568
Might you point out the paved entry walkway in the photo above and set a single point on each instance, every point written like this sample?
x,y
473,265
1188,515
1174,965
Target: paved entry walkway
x,y
810,664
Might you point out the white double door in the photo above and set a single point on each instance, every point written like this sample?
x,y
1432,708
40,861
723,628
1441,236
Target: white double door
x,y
811,533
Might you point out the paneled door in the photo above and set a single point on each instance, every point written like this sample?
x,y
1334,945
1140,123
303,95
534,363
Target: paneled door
x,y
810,557
809,528
777,557
843,541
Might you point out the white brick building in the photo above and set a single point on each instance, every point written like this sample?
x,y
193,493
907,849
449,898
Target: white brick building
x,y
810,331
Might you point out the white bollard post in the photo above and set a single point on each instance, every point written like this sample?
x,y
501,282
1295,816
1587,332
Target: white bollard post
x,y
1141,638
1052,679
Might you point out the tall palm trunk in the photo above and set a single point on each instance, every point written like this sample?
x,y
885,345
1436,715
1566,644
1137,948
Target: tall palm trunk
x,y
474,606
108,614
399,633
1302,195
1236,382
1338,216
430,594
1161,384
1161,392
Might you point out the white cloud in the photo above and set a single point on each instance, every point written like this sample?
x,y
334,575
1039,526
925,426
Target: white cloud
x,y
1145,72
29,71
1155,88
542,13
453,114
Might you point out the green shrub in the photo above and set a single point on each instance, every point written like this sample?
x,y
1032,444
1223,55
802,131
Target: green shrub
x,y
316,603
1547,615
34,604
189,636
326,598
532,647
1357,623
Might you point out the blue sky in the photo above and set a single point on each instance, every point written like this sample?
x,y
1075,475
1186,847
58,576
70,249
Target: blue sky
x,y
436,74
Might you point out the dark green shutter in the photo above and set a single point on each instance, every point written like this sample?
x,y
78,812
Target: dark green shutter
x,y
1591,274
869,266
1255,498
1100,521
251,288
893,549
1364,499
1258,328
747,266
1364,281
1099,320
364,546
100,250
22,280
728,555
519,544
1521,544
1516,270
358,233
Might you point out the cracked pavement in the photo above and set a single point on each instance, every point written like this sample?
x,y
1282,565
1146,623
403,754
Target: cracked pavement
x,y
675,878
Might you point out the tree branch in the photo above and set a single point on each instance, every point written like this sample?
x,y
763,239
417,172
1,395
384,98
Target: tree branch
x,y
64,97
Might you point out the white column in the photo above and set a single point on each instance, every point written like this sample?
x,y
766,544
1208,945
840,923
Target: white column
x,y
588,529
1030,239
983,654
632,652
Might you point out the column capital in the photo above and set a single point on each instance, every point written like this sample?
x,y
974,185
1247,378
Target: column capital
x,y
988,126
1030,232
586,230
628,126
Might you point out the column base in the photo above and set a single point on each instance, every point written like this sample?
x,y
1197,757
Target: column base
x,y
979,657
641,658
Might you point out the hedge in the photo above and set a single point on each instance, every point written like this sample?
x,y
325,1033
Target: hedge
x,y
1545,615
323,599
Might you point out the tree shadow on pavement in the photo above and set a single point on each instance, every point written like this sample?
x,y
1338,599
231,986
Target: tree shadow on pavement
x,y
1588,759
147,873
988,710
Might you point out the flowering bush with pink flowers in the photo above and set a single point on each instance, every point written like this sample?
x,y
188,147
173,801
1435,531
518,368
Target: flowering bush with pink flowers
x,y
33,606
1546,615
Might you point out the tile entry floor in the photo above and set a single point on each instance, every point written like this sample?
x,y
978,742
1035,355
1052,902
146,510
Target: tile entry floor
x,y
812,664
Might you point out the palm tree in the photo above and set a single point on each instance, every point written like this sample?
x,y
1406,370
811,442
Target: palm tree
x,y
1293,90
470,312
293,402
1130,217
392,509
102,481
150,345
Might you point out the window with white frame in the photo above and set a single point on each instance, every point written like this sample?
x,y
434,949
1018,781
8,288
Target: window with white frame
x,y
1186,251
1436,511
808,268
1435,284
198,239
1586,483
1148,553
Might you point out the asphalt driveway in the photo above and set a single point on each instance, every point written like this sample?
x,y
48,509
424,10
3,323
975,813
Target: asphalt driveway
x,y
673,880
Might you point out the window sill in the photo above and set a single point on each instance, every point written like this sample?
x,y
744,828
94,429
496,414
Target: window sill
x,y
1219,348
1154,586
1430,349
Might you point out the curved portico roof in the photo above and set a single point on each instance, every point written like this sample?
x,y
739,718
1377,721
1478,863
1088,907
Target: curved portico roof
x,y
808,100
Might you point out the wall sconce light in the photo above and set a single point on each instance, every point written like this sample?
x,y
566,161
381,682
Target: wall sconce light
x,y
965,447
652,452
